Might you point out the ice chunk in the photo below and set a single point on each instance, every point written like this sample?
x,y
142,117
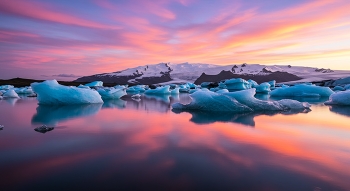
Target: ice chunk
x,y
263,88
302,90
253,83
237,84
10,94
175,91
338,88
43,129
94,84
6,87
136,89
339,98
341,81
51,92
272,84
24,90
211,101
111,93
247,98
136,96
159,90
82,86
347,87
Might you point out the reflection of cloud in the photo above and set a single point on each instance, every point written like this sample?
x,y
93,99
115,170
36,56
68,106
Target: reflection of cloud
x,y
342,110
53,114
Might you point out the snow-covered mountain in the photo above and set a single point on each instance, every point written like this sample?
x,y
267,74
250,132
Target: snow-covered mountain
x,y
190,72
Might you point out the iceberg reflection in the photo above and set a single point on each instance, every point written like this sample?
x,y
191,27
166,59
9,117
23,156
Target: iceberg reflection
x,y
207,117
114,103
339,109
53,114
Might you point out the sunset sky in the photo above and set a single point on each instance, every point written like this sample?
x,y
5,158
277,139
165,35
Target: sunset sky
x,y
65,39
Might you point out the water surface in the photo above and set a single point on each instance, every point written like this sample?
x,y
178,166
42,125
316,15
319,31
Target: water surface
x,y
143,145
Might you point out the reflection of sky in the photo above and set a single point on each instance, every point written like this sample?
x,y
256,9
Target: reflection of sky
x,y
40,38
119,147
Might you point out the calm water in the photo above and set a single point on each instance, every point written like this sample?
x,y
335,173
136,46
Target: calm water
x,y
143,145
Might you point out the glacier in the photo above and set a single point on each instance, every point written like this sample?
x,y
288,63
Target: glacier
x,y
50,92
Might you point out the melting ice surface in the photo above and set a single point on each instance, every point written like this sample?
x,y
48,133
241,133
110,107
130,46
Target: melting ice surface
x,y
125,144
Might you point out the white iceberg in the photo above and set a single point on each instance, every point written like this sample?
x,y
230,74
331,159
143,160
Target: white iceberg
x,y
302,90
211,101
111,93
339,98
94,84
10,94
50,92
237,84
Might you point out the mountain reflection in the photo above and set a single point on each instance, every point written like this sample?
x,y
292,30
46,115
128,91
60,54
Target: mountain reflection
x,y
53,114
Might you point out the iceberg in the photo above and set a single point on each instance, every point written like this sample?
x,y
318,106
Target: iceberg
x,y
211,101
272,84
338,88
82,86
339,98
263,88
94,84
111,93
253,83
222,91
302,90
6,87
24,90
159,90
247,98
50,92
175,91
136,89
237,84
10,94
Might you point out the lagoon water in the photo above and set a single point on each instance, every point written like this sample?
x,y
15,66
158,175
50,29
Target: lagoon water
x,y
144,145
